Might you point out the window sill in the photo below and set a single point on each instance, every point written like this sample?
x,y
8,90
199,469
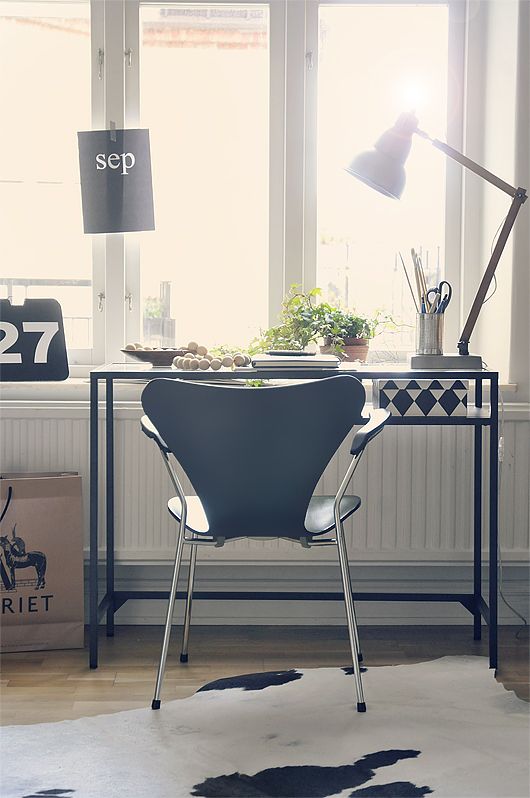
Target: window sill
x,y
74,392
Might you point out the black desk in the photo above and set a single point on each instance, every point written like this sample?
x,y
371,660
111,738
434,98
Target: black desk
x,y
477,417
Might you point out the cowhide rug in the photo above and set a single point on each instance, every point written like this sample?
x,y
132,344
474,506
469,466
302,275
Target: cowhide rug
x,y
441,728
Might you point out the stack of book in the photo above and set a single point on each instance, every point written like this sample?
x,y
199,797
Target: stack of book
x,y
290,360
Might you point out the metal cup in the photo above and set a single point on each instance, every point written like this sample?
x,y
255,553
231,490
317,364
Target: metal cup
x,y
429,333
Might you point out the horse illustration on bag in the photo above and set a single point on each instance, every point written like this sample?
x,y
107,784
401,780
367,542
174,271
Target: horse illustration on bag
x,y
15,556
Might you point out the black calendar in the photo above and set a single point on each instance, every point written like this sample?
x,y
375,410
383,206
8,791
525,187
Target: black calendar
x,y
32,343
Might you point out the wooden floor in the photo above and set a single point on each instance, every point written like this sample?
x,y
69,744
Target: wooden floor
x,y
56,685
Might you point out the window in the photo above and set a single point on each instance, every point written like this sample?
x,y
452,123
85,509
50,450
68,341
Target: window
x,y
376,61
45,51
250,133
204,90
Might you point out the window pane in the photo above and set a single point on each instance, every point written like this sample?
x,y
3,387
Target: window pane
x,y
375,62
205,99
45,51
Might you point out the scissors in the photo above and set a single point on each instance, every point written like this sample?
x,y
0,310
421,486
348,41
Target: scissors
x,y
440,296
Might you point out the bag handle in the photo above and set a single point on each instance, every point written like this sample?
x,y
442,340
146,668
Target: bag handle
x,y
8,502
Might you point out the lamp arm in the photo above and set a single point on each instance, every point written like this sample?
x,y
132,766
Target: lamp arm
x,y
518,197
463,344
474,167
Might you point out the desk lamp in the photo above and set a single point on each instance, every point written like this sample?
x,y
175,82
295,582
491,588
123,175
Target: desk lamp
x,y
383,169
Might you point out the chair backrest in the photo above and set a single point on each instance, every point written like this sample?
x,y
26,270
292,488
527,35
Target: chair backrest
x,y
254,455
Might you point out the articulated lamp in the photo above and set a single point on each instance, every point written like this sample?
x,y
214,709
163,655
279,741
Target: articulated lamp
x,y
383,169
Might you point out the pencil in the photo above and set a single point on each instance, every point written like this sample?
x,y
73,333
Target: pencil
x,y
423,282
419,287
409,283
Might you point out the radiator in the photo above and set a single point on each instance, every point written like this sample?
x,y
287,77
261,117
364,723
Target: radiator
x,y
415,485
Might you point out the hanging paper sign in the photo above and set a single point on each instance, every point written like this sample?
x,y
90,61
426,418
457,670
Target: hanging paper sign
x,y
32,344
116,183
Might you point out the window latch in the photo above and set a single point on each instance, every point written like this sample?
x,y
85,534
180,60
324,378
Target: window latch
x,y
129,300
128,56
309,59
101,60
101,300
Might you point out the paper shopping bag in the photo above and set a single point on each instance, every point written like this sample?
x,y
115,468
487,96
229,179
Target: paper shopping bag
x,y
41,562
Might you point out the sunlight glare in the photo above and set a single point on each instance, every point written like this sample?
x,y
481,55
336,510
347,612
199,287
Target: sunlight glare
x,y
412,94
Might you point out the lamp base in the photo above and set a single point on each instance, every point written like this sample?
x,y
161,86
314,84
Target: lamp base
x,y
451,361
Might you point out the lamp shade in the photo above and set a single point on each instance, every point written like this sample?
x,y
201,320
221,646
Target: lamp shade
x,y
382,168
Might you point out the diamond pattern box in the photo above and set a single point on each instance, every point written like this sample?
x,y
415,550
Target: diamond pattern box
x,y
421,397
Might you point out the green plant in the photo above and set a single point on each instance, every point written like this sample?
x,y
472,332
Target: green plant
x,y
303,321
297,323
153,307
337,326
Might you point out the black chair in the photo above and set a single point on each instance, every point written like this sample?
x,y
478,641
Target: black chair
x,y
254,456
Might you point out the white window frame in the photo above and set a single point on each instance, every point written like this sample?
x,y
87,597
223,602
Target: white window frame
x,y
293,146
455,128
96,353
279,162
293,46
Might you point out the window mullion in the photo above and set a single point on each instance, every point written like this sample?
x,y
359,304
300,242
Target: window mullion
x,y
454,172
310,146
294,149
133,315
277,115
97,28
114,243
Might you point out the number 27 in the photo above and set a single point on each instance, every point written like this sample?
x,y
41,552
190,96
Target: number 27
x,y
48,330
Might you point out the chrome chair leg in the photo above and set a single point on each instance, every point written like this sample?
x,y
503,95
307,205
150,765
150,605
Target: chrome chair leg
x,y
169,616
189,601
350,614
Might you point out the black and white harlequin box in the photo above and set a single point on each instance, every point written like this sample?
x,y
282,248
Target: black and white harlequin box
x,y
421,397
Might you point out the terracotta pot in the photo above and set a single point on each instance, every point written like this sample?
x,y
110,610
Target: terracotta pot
x,y
354,349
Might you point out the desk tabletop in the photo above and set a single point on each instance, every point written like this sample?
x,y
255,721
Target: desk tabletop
x,y
370,371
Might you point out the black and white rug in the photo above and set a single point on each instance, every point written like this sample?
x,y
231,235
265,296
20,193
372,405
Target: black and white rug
x,y
441,728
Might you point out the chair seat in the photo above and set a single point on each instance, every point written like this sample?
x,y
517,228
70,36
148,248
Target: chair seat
x,y
196,520
319,517
149,429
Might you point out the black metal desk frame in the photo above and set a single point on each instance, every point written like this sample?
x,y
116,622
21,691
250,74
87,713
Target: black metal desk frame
x,y
478,417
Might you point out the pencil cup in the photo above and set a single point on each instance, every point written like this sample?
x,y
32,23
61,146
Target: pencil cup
x,y
429,333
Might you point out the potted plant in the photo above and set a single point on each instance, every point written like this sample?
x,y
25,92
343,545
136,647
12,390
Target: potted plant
x,y
303,322
345,333
297,327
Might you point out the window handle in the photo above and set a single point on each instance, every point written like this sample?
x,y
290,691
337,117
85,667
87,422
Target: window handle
x,y
128,55
101,300
101,60
129,300
309,59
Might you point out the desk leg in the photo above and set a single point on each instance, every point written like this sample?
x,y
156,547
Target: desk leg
x,y
109,472
477,519
93,565
493,519
477,533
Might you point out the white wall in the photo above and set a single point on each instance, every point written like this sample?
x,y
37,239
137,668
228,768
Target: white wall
x,y
497,135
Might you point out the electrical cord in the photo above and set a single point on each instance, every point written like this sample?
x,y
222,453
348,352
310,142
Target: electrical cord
x,y
523,619
487,299
524,624
494,239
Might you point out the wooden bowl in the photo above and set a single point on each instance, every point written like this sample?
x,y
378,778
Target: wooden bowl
x,y
156,357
